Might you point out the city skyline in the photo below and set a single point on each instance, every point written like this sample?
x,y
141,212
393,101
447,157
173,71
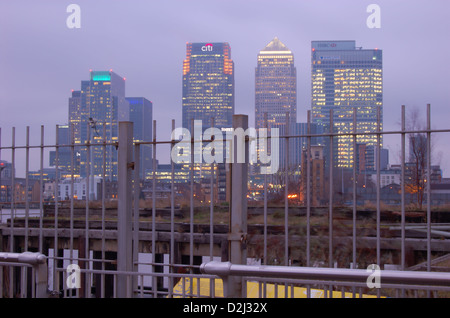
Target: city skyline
x,y
404,45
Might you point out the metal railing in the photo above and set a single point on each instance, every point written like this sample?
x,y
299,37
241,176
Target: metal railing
x,y
155,247
12,262
313,276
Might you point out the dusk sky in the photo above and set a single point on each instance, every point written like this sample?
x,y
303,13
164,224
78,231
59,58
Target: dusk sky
x,y
42,60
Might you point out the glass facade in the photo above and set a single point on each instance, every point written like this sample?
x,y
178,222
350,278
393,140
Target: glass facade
x,y
63,157
141,114
208,85
275,86
276,93
345,78
95,112
208,92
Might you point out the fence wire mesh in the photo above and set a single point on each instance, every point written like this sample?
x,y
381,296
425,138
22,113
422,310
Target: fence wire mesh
x,y
110,229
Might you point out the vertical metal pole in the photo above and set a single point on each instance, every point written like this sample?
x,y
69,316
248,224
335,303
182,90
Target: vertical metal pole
x,y
1,200
286,198
286,195
354,190
56,194
403,158
308,190
378,192
308,196
91,174
402,185
13,186
428,188
27,187
72,181
124,221
330,213
238,218
41,186
41,280
154,278
136,192
192,202
172,217
89,177
27,207
211,203
265,192
378,188
211,215
102,283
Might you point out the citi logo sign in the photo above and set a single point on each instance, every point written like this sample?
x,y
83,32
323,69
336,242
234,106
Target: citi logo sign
x,y
207,47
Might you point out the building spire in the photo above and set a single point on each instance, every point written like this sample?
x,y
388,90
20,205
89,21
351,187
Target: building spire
x,y
275,45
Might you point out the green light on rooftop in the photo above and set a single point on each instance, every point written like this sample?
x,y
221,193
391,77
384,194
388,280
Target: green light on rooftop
x,y
100,76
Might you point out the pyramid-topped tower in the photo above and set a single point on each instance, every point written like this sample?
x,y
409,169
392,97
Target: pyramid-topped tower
x,y
276,45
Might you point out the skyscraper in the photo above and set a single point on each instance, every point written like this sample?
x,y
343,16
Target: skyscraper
x,y
208,93
67,134
275,86
75,117
343,78
141,114
208,84
276,91
101,105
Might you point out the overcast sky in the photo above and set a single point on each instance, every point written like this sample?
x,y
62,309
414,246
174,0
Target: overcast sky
x,y
42,60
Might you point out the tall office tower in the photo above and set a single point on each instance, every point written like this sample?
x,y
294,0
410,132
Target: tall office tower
x,y
208,85
276,94
141,114
102,104
343,78
208,93
67,134
74,127
75,111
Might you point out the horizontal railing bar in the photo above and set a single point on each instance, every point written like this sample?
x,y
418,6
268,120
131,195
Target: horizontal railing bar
x,y
98,260
325,134
61,146
173,141
23,258
113,272
17,264
393,132
224,269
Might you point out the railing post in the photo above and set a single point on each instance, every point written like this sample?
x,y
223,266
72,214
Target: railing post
x,y
238,217
39,263
124,208
41,280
